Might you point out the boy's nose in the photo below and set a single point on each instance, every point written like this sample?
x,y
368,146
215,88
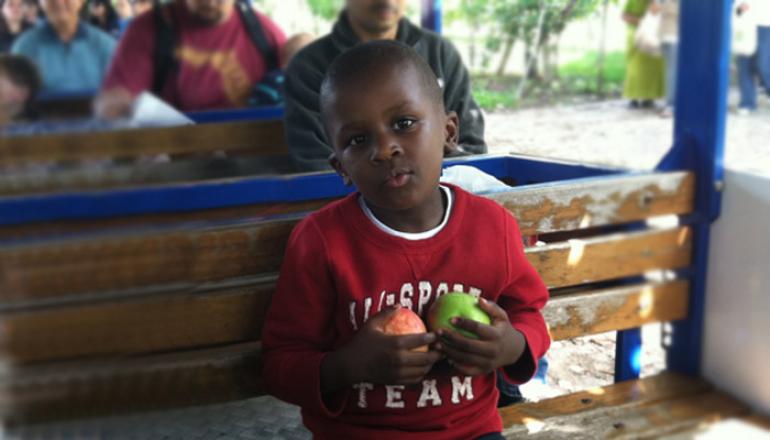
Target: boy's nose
x,y
385,148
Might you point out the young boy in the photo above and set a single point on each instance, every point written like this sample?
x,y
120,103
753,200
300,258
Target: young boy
x,y
403,239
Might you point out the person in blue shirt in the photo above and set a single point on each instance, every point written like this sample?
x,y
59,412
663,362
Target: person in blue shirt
x,y
72,56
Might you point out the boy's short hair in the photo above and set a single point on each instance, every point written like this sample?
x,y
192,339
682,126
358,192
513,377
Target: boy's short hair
x,y
365,60
22,72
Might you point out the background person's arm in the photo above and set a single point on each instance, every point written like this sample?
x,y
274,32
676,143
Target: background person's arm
x,y
130,72
305,134
458,98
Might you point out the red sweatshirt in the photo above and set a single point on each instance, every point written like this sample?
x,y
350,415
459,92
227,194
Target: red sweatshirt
x,y
340,269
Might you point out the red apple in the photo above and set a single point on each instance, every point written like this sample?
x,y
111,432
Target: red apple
x,y
456,305
405,322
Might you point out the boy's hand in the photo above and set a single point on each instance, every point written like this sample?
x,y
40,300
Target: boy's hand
x,y
373,356
499,343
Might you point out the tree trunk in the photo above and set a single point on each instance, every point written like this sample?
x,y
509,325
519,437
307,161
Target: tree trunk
x,y
507,49
472,47
535,56
544,60
602,52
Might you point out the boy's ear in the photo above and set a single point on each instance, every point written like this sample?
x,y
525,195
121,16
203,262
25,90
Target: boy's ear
x,y
451,133
337,165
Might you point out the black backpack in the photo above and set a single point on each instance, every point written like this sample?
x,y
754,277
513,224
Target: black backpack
x,y
267,92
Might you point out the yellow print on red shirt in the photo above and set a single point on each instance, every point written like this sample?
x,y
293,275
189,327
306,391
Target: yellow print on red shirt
x,y
235,80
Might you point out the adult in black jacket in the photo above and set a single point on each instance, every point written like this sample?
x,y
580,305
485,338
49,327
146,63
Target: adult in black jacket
x,y
361,21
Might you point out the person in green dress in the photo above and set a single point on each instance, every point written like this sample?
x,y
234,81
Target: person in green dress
x,y
645,78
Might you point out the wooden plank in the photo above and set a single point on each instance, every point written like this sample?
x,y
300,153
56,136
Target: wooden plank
x,y
601,201
186,257
70,227
85,389
753,427
620,308
662,386
582,261
190,320
193,256
155,324
264,137
645,408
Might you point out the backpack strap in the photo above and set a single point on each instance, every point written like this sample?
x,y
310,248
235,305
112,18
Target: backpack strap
x,y
257,34
165,43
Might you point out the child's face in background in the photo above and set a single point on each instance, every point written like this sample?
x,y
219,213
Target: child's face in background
x,y
389,138
13,99
13,11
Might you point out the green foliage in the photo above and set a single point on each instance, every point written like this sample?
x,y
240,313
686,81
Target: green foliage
x,y
577,81
519,18
325,9
494,93
587,67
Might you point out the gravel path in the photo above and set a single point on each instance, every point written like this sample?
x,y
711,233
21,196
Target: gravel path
x,y
610,133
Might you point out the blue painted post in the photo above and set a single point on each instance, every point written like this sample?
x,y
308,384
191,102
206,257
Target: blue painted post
x,y
628,354
431,15
699,135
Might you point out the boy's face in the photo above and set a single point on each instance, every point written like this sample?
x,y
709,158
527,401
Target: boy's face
x,y
389,138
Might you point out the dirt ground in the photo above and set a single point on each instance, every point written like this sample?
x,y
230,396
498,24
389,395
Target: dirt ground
x,y
610,133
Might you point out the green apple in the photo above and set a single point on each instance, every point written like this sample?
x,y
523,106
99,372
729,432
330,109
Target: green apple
x,y
452,305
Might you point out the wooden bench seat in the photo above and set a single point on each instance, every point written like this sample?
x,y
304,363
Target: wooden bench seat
x,y
125,319
653,407
254,147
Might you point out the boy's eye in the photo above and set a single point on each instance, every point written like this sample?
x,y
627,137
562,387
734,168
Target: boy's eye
x,y
356,140
404,123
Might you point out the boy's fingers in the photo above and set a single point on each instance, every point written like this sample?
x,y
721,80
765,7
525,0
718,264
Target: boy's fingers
x,y
419,358
466,361
458,342
495,312
483,331
410,342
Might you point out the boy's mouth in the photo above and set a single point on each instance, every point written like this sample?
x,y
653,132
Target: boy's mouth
x,y
397,179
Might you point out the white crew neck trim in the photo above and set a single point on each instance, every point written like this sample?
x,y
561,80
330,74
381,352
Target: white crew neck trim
x,y
413,236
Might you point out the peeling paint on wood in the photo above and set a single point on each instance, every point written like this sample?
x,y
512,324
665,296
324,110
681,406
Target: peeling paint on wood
x,y
596,202
621,308
612,256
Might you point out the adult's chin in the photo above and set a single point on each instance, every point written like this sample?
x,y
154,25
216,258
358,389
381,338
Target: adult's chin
x,y
209,17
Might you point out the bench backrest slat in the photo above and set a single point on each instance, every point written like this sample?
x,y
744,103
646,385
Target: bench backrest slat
x,y
264,137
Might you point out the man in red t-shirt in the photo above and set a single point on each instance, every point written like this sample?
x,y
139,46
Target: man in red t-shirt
x,y
217,63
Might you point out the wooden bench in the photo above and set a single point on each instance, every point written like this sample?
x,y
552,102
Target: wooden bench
x,y
114,319
253,147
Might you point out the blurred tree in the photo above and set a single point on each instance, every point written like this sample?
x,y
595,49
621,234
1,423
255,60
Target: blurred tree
x,y
325,9
537,24
474,13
